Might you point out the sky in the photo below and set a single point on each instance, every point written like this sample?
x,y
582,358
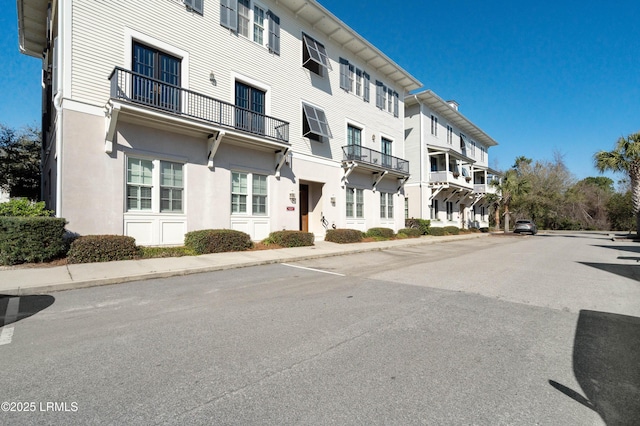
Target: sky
x,y
541,78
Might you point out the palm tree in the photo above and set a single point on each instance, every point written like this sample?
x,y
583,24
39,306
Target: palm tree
x,y
624,158
512,186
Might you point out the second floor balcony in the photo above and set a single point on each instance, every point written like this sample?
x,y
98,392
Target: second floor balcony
x,y
138,89
375,159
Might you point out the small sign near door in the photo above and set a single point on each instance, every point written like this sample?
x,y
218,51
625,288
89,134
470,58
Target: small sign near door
x,y
290,208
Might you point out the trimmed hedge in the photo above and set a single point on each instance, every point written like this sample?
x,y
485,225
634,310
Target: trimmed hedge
x,y
31,239
422,224
102,248
451,230
217,241
436,231
291,238
380,233
343,236
409,232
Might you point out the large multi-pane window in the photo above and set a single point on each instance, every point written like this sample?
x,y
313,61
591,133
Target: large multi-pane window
x,y
386,205
253,21
386,145
242,192
151,191
251,108
139,184
355,202
354,142
157,77
171,187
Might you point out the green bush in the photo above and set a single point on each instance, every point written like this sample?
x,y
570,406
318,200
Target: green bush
x,y
422,224
291,238
342,236
102,248
409,232
217,241
380,233
23,207
31,239
159,252
451,230
436,231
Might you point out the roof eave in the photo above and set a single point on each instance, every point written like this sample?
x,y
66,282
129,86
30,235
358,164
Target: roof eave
x,y
32,26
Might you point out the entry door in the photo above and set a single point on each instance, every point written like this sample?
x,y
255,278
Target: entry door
x,y
304,208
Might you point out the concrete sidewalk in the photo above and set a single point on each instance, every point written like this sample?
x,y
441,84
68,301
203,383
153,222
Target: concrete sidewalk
x,y
24,281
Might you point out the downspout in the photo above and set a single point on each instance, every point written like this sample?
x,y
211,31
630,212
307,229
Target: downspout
x,y
421,157
57,104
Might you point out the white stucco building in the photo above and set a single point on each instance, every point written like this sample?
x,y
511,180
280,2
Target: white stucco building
x,y
166,116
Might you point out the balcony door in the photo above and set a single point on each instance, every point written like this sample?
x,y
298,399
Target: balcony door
x,y
386,152
156,80
354,142
250,108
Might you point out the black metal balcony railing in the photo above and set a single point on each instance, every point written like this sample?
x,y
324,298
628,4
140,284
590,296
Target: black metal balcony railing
x,y
376,158
139,89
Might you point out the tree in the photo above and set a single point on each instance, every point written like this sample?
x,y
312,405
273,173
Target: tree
x,y
620,212
512,186
624,158
20,161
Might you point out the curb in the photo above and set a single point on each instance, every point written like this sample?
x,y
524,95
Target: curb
x,y
73,285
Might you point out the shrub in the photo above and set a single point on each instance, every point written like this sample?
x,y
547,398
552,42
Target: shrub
x,y
23,207
409,232
342,236
422,224
484,229
437,232
291,238
473,229
159,252
451,230
380,233
102,248
31,239
217,241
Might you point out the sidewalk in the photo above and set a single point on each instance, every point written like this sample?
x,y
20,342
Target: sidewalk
x,y
24,281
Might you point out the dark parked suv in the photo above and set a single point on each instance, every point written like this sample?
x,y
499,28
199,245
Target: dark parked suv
x,y
525,226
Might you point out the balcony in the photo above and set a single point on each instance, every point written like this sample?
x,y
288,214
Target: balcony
x,y
375,159
138,89
444,177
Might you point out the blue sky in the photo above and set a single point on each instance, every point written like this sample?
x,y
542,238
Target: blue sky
x,y
539,77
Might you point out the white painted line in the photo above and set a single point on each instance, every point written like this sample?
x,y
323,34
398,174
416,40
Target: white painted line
x,y
312,269
10,317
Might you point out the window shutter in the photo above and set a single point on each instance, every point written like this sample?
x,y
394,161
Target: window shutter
x,y
229,14
274,33
344,74
395,104
196,5
379,94
366,93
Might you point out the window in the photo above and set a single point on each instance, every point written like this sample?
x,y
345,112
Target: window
x,y
386,152
355,203
406,207
387,99
171,187
449,135
195,5
434,125
354,142
165,196
314,55
449,210
157,77
314,123
482,213
483,151
251,20
386,205
241,192
251,108
354,80
463,143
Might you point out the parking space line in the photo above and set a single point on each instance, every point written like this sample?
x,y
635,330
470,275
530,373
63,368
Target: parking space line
x,y
312,269
10,317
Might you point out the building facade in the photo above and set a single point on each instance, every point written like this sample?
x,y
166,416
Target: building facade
x,y
167,116
449,164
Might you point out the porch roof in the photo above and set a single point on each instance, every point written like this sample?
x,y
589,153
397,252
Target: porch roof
x,y
452,152
32,26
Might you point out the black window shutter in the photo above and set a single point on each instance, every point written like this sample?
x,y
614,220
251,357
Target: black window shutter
x,y
344,74
274,33
229,14
366,93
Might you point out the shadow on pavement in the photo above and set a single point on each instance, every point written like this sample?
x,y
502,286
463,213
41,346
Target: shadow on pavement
x,y
627,271
606,364
15,308
632,249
